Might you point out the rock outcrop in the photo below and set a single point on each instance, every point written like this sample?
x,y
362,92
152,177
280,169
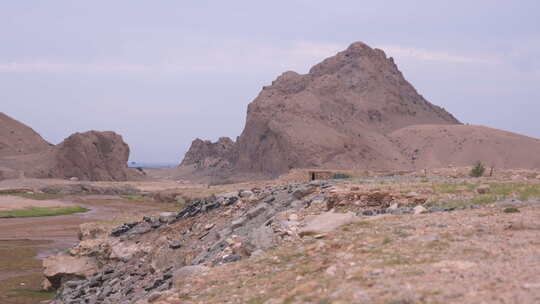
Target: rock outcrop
x,y
59,269
355,111
206,154
337,115
150,256
94,156
140,259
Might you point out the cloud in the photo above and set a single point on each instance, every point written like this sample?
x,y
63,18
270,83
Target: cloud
x,y
233,56
238,56
55,67
439,56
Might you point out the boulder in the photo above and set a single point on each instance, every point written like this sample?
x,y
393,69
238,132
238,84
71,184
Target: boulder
x,y
167,217
303,191
326,222
420,210
89,231
187,272
59,269
483,189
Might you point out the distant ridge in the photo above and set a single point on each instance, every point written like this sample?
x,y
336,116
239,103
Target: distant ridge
x,y
96,156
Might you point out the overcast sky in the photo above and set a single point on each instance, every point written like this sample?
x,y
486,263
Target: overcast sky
x,y
162,73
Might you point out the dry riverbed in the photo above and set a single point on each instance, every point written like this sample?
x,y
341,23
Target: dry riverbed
x,y
24,241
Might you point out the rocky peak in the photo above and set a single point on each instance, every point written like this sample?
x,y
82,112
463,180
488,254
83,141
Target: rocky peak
x,y
357,56
338,115
206,154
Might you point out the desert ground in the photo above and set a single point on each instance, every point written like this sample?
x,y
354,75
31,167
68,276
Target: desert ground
x,y
402,238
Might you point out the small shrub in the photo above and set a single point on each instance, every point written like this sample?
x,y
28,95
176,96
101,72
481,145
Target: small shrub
x,y
340,176
511,210
478,170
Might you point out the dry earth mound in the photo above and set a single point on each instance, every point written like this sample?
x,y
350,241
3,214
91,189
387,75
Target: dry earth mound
x,y
17,138
436,146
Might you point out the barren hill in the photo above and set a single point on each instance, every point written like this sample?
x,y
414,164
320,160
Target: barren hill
x,y
17,138
355,110
87,156
434,146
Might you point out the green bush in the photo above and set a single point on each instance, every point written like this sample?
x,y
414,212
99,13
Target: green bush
x,y
478,170
511,210
340,176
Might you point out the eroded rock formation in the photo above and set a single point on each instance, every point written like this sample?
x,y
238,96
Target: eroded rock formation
x,y
206,154
92,156
86,156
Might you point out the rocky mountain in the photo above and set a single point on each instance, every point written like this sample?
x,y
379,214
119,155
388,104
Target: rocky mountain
x,y
87,156
355,110
338,115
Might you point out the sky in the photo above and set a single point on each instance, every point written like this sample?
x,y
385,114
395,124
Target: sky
x,y
163,73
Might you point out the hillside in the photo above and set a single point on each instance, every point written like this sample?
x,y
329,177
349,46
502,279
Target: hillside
x,y
18,139
435,146
87,156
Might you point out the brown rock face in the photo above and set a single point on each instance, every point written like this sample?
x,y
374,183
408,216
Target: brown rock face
x,y
59,269
92,156
88,156
206,154
338,115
